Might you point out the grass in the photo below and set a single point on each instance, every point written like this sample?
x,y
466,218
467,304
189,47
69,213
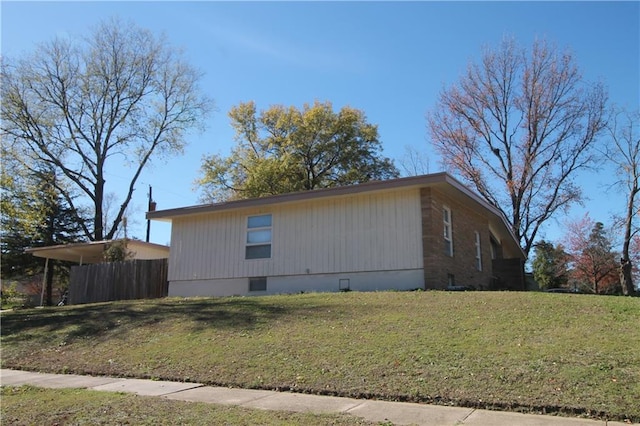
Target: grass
x,y
533,352
84,407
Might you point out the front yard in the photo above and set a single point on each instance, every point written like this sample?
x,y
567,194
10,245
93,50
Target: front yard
x,y
575,355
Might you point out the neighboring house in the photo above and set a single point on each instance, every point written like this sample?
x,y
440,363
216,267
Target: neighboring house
x,y
93,251
423,232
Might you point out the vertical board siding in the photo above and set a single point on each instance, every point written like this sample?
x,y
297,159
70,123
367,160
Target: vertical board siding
x,y
365,232
105,282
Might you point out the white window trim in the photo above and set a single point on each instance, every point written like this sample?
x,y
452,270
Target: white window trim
x,y
448,230
261,228
478,252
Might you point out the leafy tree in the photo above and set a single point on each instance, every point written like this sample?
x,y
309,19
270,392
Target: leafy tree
x,y
624,153
550,266
119,96
13,240
285,149
117,251
33,214
518,127
594,263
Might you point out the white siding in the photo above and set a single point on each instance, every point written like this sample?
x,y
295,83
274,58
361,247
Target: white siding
x,y
357,233
147,252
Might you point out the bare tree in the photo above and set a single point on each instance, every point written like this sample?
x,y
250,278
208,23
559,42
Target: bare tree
x,y
517,127
413,162
120,95
624,153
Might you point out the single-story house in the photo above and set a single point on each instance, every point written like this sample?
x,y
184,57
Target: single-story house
x,y
422,232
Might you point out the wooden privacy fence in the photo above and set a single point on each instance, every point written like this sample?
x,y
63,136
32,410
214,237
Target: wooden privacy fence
x,y
105,282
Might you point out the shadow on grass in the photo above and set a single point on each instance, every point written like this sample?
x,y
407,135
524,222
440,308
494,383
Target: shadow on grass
x,y
95,320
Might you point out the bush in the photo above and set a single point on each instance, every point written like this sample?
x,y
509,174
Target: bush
x,y
11,297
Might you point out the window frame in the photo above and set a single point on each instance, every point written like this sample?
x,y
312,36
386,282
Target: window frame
x,y
261,281
478,252
451,280
447,231
253,250
494,245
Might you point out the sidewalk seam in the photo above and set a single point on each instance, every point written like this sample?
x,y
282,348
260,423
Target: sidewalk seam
x,y
200,385
473,410
354,407
256,399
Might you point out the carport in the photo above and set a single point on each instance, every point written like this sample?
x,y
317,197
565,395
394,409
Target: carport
x,y
93,252
81,253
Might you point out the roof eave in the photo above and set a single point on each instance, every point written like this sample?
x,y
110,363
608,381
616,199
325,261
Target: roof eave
x,y
169,214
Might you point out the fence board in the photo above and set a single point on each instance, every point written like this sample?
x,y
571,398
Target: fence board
x,y
105,282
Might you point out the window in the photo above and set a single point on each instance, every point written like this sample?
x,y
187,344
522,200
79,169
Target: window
x,y
448,239
258,237
493,244
478,252
258,284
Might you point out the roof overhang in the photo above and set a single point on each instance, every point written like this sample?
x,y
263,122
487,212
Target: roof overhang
x,y
338,191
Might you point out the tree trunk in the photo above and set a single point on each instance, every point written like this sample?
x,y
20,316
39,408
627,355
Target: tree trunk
x,y
626,280
98,220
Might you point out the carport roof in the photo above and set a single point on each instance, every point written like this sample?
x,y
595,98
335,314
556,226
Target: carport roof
x,y
89,252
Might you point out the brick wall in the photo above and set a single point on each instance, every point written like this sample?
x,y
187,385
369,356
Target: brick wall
x,y
438,266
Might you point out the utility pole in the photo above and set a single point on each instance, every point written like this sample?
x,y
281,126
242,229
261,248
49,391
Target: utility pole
x,y
152,207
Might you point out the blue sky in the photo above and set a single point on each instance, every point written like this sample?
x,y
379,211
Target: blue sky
x,y
389,59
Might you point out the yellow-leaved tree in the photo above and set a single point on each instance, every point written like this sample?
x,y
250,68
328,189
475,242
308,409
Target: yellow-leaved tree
x,y
286,149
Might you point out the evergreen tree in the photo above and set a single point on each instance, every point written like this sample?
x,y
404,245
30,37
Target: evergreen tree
x,y
550,268
33,214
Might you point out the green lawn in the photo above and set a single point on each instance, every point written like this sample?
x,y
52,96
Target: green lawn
x,y
568,354
84,407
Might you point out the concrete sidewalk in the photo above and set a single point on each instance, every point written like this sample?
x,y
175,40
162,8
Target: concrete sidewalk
x,y
398,413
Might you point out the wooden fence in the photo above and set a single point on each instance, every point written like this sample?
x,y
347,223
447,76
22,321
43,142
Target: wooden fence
x,y
104,282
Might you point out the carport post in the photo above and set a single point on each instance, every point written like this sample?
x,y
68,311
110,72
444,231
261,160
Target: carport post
x,y
44,281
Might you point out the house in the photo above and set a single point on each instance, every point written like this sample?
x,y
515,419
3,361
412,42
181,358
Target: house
x,y
93,251
423,232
